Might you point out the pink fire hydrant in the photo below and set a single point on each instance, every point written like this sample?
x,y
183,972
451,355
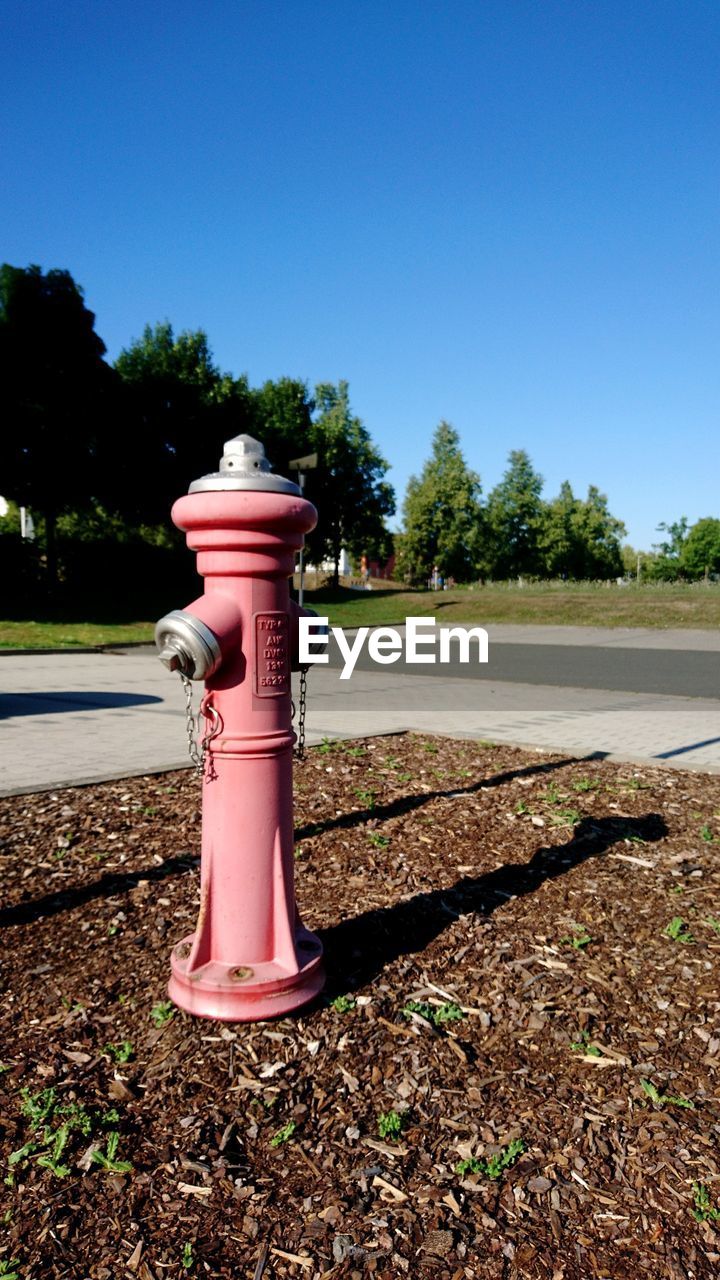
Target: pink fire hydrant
x,y
250,956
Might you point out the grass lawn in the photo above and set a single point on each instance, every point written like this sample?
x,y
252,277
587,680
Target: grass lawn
x,y
67,634
569,604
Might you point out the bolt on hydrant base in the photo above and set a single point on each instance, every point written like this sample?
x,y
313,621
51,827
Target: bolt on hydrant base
x,y
246,993
250,956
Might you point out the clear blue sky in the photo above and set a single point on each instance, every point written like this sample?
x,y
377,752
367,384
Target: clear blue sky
x,y
499,212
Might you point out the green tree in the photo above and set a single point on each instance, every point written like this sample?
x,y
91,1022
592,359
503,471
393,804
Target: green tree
x,y
57,395
600,533
515,513
348,487
559,535
666,562
179,409
700,554
581,540
442,515
283,421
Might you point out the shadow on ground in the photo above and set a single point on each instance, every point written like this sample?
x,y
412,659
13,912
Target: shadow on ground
x,y
357,950
44,704
407,804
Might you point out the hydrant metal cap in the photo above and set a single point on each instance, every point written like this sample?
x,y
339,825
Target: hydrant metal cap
x,y
244,466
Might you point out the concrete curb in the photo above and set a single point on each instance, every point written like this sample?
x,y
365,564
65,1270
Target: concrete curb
x,y
580,754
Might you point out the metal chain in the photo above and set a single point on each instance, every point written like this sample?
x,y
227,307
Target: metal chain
x,y
197,754
302,709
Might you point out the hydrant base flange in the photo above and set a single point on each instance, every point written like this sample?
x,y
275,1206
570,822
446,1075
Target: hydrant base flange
x,y
246,993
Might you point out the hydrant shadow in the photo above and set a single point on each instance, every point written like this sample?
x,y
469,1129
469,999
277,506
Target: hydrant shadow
x,y
358,950
110,882
407,804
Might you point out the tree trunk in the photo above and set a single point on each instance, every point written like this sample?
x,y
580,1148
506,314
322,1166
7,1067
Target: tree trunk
x,y
51,559
335,580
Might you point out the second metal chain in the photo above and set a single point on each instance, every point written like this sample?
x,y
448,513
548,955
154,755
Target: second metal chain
x,y
302,709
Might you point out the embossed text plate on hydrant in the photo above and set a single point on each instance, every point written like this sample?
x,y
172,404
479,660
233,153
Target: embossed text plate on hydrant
x,y
272,654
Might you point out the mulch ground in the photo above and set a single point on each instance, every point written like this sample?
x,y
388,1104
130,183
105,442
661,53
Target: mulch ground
x,y
513,1071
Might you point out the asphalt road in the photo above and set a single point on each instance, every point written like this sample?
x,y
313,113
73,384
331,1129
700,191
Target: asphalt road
x,y
685,673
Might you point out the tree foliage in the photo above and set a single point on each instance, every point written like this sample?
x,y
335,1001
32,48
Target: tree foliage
x,y
580,540
56,391
515,518
700,554
348,486
442,515
178,409
515,533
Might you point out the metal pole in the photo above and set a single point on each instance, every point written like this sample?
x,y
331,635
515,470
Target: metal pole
x,y
301,591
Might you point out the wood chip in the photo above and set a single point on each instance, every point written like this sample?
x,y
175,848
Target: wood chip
x,y
387,1189
384,1148
302,1259
636,862
133,1261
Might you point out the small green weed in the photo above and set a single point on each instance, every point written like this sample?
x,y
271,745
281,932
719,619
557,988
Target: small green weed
x,y
106,1159
379,841
38,1108
188,1258
162,1012
552,795
284,1134
679,931
366,796
327,745
430,747
343,1004
566,818
51,1159
495,1165
356,751
661,1099
585,784
391,1124
120,1052
707,835
9,1269
713,923
43,1111
578,941
521,807
703,1211
439,1014
582,1045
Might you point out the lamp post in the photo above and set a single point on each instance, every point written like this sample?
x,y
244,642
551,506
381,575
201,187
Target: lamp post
x,y
301,465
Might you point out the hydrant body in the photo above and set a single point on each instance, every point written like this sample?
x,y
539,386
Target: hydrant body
x,y
250,956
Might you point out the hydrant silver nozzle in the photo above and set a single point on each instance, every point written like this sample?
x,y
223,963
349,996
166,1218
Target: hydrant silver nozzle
x,y
244,466
186,645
